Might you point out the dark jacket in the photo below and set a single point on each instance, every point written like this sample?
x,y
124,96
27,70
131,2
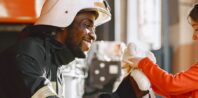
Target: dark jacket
x,y
34,63
30,65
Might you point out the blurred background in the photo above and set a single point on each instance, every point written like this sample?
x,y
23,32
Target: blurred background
x,y
158,25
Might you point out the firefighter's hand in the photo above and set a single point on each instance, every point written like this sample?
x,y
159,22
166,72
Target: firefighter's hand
x,y
128,88
133,54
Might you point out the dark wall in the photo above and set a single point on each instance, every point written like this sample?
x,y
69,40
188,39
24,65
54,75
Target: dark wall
x,y
9,34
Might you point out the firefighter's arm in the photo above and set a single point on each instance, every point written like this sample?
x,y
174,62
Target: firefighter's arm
x,y
34,77
32,68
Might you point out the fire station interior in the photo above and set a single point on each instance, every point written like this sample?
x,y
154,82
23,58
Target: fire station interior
x,y
159,25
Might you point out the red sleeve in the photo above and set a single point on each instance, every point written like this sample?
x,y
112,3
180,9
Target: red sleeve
x,y
167,84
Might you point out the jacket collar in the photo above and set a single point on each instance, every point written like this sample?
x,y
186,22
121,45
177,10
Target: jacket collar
x,y
60,53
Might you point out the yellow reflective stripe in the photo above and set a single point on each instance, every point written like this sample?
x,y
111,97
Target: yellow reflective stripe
x,y
53,85
44,92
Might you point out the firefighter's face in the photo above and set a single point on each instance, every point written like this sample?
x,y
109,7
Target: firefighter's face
x,y
81,32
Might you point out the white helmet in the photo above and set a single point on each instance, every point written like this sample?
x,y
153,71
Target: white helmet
x,y
61,13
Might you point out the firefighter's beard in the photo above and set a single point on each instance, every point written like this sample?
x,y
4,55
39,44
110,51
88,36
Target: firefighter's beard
x,y
76,50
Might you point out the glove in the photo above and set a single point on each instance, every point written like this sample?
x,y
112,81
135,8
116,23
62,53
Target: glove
x,y
128,88
134,85
133,54
142,82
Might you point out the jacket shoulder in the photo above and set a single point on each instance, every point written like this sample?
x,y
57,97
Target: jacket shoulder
x,y
31,46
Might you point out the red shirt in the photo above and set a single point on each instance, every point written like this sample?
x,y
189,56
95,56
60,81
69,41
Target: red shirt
x,y
180,85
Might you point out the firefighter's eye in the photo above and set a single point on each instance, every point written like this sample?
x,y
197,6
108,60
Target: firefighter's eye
x,y
88,26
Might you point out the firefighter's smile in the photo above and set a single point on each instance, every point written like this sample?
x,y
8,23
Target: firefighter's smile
x,y
86,44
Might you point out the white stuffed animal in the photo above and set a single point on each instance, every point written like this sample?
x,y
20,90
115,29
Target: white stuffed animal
x,y
135,84
140,78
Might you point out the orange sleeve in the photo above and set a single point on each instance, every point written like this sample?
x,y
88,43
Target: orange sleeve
x,y
166,84
161,92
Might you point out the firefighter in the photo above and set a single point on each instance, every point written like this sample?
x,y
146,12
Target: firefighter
x,y
64,31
